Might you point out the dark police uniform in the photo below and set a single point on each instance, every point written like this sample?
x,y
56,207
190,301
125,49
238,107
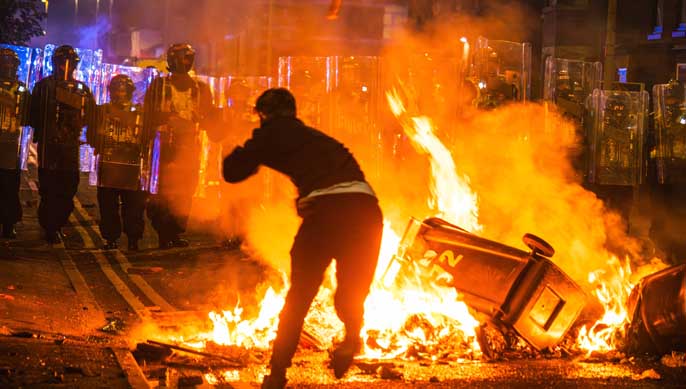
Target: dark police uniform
x,y
60,108
14,100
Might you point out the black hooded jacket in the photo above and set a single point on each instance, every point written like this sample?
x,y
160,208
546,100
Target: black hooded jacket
x,y
310,158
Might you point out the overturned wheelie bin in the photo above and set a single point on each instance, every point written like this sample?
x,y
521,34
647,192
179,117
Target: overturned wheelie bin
x,y
516,289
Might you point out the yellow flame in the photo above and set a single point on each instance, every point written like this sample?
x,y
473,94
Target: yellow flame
x,y
613,287
451,195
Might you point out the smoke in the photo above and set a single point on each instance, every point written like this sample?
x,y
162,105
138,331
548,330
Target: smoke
x,y
517,157
92,36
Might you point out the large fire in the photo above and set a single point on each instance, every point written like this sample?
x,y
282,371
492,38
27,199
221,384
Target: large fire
x,y
419,316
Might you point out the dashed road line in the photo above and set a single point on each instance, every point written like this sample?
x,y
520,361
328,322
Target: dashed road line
x,y
144,287
87,240
134,374
120,286
77,281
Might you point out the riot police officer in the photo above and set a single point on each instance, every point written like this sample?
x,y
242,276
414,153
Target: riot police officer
x,y
177,106
61,107
123,152
13,115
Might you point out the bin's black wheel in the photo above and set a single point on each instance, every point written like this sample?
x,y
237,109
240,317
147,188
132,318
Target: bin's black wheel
x,y
538,245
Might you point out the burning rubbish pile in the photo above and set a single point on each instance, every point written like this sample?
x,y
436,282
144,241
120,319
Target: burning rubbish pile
x,y
443,293
455,287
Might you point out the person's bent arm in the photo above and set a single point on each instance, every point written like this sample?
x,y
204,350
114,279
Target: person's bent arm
x,y
244,160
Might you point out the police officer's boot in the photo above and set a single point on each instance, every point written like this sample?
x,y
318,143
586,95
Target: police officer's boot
x,y
53,236
8,231
178,242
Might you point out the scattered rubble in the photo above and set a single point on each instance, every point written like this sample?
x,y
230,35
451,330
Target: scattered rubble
x,y
675,359
114,325
647,374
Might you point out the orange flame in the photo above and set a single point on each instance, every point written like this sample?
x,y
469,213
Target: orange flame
x,y
451,195
613,288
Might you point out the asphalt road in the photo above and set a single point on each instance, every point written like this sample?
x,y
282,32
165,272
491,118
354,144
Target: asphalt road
x,y
70,317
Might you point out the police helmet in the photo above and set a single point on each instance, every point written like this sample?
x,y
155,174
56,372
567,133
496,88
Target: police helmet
x,y
121,82
64,55
180,58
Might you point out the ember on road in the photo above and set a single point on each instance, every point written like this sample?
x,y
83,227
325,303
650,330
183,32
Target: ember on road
x,y
305,194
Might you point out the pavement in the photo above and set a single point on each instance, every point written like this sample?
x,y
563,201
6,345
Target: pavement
x,y
72,315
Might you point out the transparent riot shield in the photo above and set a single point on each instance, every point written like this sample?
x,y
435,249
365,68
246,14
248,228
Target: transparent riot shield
x,y
670,132
502,72
29,72
13,99
141,77
122,146
617,137
27,150
30,63
356,93
208,173
568,83
89,72
310,80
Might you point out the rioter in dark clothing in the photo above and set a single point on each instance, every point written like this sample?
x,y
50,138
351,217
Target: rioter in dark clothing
x,y
176,105
123,164
14,100
341,220
60,107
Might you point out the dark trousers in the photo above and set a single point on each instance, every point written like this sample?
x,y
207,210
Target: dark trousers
x,y
57,189
132,209
345,227
10,206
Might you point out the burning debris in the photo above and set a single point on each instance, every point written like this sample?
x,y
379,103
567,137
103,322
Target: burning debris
x,y
657,307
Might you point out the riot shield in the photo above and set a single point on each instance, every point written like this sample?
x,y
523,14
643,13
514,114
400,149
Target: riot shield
x,y
30,63
87,71
670,132
356,94
617,137
13,109
568,83
141,79
310,80
207,174
502,72
29,72
122,150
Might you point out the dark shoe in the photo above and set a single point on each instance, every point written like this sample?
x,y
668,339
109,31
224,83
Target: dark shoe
x,y
8,231
274,381
133,245
178,242
111,245
342,358
53,237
